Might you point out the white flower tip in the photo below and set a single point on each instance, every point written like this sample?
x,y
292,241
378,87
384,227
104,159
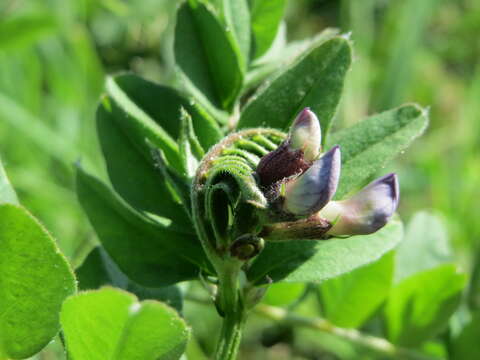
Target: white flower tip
x,y
305,134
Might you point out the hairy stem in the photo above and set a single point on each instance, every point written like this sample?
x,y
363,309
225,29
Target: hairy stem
x,y
233,312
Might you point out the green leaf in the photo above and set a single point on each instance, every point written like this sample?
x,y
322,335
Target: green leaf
x,y
7,194
266,18
98,270
112,324
424,247
207,56
281,55
367,146
419,307
25,30
318,260
315,81
35,278
191,151
282,294
236,15
163,105
179,184
148,252
350,299
466,346
132,171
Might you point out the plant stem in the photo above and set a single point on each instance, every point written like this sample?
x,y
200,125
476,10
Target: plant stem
x,y
230,337
377,344
233,311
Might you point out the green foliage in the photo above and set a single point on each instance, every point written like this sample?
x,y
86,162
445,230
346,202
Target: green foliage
x,y
466,345
151,253
266,18
112,324
25,30
98,270
350,299
52,55
7,194
424,247
315,261
370,144
419,307
35,279
207,55
316,81
281,294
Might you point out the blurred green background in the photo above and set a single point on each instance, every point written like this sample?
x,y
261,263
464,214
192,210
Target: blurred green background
x,y
54,55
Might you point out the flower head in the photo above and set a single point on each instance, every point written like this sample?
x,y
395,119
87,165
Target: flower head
x,y
304,183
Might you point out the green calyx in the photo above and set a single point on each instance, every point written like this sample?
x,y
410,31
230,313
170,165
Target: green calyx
x,y
227,202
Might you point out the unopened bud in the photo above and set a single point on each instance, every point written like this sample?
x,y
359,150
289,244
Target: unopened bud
x,y
312,190
295,154
305,134
365,212
279,164
246,247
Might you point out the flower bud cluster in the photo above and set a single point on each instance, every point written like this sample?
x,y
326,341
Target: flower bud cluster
x,y
300,182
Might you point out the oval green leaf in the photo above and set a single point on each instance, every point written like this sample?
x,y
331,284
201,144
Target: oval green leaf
x,y
424,247
315,81
35,279
367,146
151,253
266,18
163,105
132,171
112,324
419,307
207,56
350,299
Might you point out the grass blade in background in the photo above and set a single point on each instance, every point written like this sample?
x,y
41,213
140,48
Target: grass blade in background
x,y
402,32
25,30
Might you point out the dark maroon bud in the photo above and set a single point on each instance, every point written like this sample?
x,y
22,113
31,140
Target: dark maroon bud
x,y
281,163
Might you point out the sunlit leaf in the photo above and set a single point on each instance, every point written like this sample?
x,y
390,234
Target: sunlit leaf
x,y
419,307
318,260
35,279
112,324
350,299
315,81
367,146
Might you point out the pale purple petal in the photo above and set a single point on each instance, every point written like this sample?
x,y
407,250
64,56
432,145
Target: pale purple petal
x,y
312,190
